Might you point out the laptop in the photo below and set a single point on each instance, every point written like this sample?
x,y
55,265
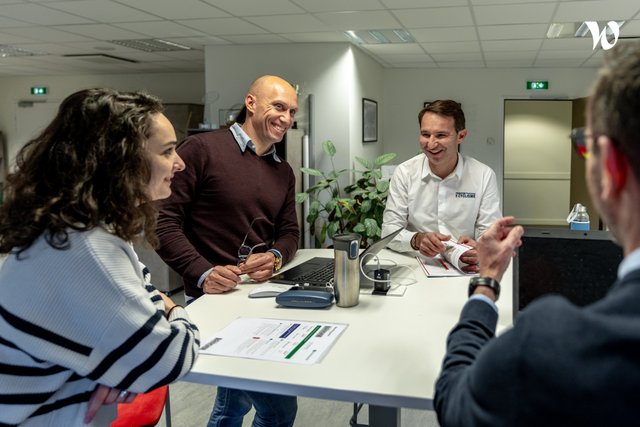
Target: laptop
x,y
579,265
319,271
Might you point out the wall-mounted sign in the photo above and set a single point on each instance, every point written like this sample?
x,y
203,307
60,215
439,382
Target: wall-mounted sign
x,y
537,85
39,90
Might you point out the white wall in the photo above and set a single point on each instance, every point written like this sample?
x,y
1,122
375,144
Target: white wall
x,y
481,92
368,83
336,74
173,87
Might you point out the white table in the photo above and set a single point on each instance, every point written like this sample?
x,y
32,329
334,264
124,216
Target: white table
x,y
388,357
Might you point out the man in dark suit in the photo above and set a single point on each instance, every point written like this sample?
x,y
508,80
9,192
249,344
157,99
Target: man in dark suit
x,y
561,364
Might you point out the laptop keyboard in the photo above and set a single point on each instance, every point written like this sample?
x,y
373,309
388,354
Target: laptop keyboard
x,y
322,275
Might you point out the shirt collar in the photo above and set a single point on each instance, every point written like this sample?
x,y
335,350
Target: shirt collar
x,y
245,142
629,263
426,170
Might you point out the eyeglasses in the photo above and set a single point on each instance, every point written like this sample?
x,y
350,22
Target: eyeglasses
x,y
579,141
245,251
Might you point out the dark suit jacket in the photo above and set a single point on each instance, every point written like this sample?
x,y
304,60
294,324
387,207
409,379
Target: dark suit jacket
x,y
560,365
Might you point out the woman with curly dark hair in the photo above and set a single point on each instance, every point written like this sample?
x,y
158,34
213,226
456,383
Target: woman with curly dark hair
x,y
80,325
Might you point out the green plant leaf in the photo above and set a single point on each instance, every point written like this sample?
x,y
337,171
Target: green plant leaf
x,y
363,162
365,206
323,233
384,158
301,197
356,191
314,207
329,148
382,186
332,229
371,226
359,228
311,171
330,205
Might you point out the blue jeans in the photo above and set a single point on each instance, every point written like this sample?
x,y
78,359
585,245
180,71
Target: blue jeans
x,y
272,410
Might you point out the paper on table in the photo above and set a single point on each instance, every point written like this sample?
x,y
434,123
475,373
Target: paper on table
x,y
437,267
274,339
445,265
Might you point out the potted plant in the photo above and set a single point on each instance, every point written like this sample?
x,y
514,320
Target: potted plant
x,y
357,208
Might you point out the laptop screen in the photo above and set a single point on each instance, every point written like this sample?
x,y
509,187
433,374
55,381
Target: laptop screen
x,y
580,265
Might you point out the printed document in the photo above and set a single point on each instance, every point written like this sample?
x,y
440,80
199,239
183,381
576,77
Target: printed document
x,y
288,341
445,264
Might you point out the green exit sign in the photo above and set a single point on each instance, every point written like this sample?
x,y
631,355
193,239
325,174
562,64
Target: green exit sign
x,y
39,90
538,85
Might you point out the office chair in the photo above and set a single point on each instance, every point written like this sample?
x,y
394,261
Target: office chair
x,y
145,410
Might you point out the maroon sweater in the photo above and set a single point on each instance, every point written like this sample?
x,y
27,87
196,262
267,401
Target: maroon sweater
x,y
214,200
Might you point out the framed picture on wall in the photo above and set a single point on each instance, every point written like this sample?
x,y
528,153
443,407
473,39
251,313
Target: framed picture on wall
x,y
369,120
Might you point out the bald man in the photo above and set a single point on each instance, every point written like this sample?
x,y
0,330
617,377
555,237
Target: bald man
x,y
232,212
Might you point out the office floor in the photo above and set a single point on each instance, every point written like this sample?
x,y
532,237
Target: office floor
x,y
191,406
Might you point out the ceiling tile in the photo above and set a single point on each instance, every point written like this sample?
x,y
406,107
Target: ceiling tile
x,y
489,2
184,55
103,11
223,26
511,63
514,14
460,64
8,22
451,34
509,55
46,34
14,38
338,5
256,8
558,63
40,15
405,58
159,29
630,29
444,47
456,57
576,11
363,20
256,39
101,31
582,44
316,37
172,9
409,65
101,47
435,17
511,32
197,42
289,23
416,4
49,48
569,54
394,49
513,45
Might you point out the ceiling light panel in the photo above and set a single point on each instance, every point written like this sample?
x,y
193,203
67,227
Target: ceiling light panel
x,y
379,36
151,45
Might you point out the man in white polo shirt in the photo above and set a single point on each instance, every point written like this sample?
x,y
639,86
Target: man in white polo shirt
x,y
441,194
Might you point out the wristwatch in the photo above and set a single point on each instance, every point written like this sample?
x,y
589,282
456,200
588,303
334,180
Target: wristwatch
x,y
277,263
484,281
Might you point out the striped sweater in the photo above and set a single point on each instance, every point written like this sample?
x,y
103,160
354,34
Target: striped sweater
x,y
75,318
